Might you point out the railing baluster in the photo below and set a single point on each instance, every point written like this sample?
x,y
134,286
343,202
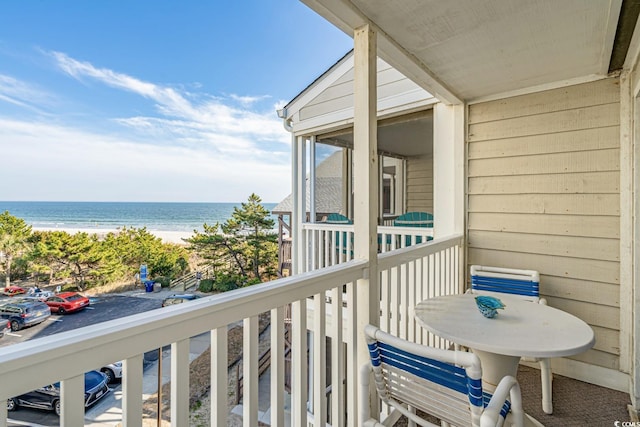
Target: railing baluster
x,y
319,361
337,362
219,375
132,390
277,366
250,372
180,383
299,363
72,392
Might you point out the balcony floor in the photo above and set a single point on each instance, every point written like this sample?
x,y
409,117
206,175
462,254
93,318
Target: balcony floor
x,y
575,403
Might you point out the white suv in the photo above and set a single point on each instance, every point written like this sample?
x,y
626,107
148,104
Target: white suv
x,y
113,371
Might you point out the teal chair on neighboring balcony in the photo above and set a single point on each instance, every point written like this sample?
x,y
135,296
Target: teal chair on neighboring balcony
x,y
336,218
414,219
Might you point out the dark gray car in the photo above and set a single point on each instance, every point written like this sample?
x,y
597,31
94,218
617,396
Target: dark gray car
x,y
23,313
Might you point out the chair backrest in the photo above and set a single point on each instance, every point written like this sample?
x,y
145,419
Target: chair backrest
x,y
524,284
336,218
414,219
444,383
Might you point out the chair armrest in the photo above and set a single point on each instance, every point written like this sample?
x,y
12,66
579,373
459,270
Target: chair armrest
x,y
507,388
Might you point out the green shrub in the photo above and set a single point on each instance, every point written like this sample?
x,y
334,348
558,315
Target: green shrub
x,y
163,280
226,282
206,285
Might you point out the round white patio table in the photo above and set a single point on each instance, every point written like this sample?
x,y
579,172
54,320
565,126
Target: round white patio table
x,y
521,329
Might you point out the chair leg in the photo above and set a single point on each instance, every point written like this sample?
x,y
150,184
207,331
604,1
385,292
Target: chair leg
x,y
546,377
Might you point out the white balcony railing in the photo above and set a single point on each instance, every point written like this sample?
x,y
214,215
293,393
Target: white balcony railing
x,y
406,276
331,244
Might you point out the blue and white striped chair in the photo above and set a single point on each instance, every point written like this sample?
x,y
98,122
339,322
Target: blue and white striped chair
x,y
446,384
524,284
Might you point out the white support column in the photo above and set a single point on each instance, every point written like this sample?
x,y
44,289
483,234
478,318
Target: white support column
x,y
448,169
299,208
365,169
312,179
629,220
132,391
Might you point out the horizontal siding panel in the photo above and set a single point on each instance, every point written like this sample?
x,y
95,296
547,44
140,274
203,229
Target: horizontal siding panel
x,y
563,121
580,161
605,91
588,248
598,358
581,182
594,314
419,173
578,140
421,195
396,88
326,107
416,206
558,225
574,268
580,290
572,204
607,340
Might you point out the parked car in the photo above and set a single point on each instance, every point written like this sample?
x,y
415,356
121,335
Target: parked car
x,y
5,326
38,293
67,302
13,291
22,313
178,298
48,397
113,371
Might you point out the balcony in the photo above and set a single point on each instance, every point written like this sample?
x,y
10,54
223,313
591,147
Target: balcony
x,y
305,303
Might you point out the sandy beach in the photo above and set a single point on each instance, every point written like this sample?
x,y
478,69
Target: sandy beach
x,y
166,236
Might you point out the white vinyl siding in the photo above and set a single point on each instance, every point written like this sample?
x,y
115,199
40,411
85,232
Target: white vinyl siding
x,y
420,184
335,103
543,193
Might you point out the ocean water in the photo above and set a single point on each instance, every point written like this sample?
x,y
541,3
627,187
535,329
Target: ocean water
x,y
175,217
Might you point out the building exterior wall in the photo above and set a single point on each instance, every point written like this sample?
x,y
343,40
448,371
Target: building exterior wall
x,y
543,193
420,184
334,104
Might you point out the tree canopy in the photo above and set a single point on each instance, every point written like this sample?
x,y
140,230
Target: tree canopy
x,y
241,250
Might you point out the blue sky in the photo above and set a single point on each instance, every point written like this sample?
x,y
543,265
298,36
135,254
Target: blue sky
x,y
153,100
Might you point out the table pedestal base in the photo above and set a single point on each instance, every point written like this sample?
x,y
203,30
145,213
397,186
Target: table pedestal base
x,y
494,368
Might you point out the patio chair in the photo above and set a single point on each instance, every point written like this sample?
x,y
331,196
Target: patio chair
x,y
414,219
446,384
522,284
337,218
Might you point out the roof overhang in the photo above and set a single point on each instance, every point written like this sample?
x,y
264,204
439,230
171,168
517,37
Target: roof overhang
x,y
473,49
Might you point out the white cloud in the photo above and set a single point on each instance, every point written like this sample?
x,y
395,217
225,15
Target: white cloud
x,y
195,147
247,101
21,94
203,117
49,162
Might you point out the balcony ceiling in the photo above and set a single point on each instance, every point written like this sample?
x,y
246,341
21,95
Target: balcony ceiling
x,y
466,50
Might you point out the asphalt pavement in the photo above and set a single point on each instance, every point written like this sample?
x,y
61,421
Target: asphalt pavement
x,y
108,411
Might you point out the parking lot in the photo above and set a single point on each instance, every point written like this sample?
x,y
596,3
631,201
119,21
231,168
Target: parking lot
x,y
102,309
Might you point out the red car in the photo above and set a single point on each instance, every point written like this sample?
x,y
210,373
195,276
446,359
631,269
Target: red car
x,y
14,290
67,302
